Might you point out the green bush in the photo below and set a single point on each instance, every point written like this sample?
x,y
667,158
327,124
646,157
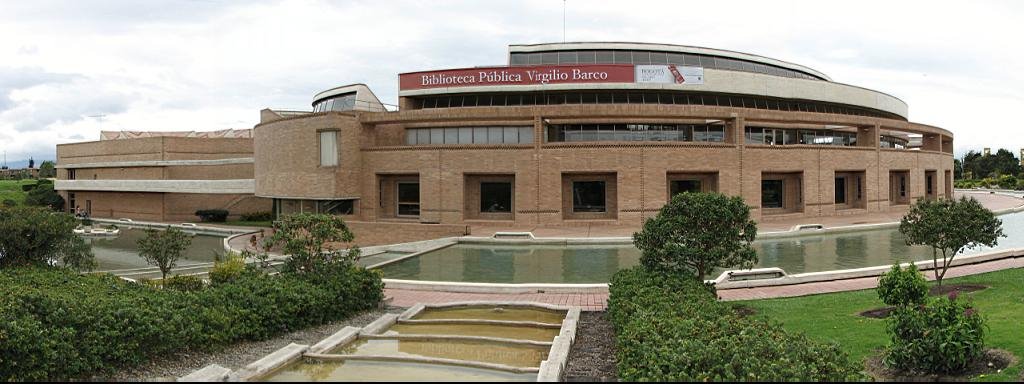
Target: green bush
x,y
38,236
212,215
902,287
184,283
1007,181
8,203
27,187
257,216
45,196
672,328
56,324
943,336
232,267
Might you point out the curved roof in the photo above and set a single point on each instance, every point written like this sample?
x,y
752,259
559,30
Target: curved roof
x,y
547,47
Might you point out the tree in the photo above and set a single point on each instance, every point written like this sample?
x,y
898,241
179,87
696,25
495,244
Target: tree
x,y
958,169
950,227
697,233
305,238
47,169
36,236
162,249
44,196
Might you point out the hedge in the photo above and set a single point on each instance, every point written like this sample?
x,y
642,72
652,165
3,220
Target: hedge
x,y
675,329
212,215
56,324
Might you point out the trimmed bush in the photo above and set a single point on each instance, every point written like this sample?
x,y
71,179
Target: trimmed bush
x,y
27,187
184,283
257,216
56,324
944,336
902,287
672,328
212,215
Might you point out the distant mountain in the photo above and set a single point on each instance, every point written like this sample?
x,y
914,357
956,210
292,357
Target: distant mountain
x,y
17,164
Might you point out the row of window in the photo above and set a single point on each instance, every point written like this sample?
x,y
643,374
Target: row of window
x,y
635,132
469,135
777,136
608,56
332,207
344,102
625,97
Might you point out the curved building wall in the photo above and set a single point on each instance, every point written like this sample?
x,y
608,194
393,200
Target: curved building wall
x,y
638,176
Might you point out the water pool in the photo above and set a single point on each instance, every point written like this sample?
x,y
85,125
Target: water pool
x,y
581,264
121,252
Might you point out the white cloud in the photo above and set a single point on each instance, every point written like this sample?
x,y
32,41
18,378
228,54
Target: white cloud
x,y
184,65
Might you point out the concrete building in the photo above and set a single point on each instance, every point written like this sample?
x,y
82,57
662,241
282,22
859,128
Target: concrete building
x,y
580,134
159,176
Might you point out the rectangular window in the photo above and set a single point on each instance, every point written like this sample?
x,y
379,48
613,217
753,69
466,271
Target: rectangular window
x,y
929,188
496,197
903,186
771,193
336,207
451,135
588,196
328,148
840,190
680,186
408,199
71,174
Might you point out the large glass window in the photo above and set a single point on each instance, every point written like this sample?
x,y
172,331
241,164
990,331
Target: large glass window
x,y
469,135
772,194
495,197
408,199
634,132
336,207
328,148
588,196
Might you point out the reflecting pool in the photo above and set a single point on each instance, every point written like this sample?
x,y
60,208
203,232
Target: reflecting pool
x,y
579,264
121,252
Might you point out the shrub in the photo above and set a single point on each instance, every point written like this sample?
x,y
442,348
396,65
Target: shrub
x,y
27,187
1007,181
902,287
37,236
697,233
56,324
44,196
943,336
184,283
212,215
227,270
672,328
10,203
257,216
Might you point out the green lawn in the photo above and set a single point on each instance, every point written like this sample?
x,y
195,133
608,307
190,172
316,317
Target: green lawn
x,y
11,190
833,317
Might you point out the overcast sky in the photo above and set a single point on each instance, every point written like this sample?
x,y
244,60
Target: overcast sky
x,y
70,69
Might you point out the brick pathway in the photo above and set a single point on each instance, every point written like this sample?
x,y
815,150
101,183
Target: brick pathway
x,y
587,301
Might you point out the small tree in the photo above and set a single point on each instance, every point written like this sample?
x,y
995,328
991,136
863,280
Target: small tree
x,y
162,249
950,227
37,236
47,169
304,237
696,233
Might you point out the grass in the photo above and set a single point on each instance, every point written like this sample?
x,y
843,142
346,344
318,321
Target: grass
x,y
11,190
833,317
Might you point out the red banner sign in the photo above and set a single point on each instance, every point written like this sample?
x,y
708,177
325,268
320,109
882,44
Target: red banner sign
x,y
524,75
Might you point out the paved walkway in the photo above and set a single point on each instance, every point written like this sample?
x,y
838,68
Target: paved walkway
x,y
857,284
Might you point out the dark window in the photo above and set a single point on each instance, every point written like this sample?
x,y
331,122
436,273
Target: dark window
x,y
408,199
840,190
567,58
623,57
71,174
771,193
549,58
518,59
496,197
588,196
336,207
928,185
680,186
